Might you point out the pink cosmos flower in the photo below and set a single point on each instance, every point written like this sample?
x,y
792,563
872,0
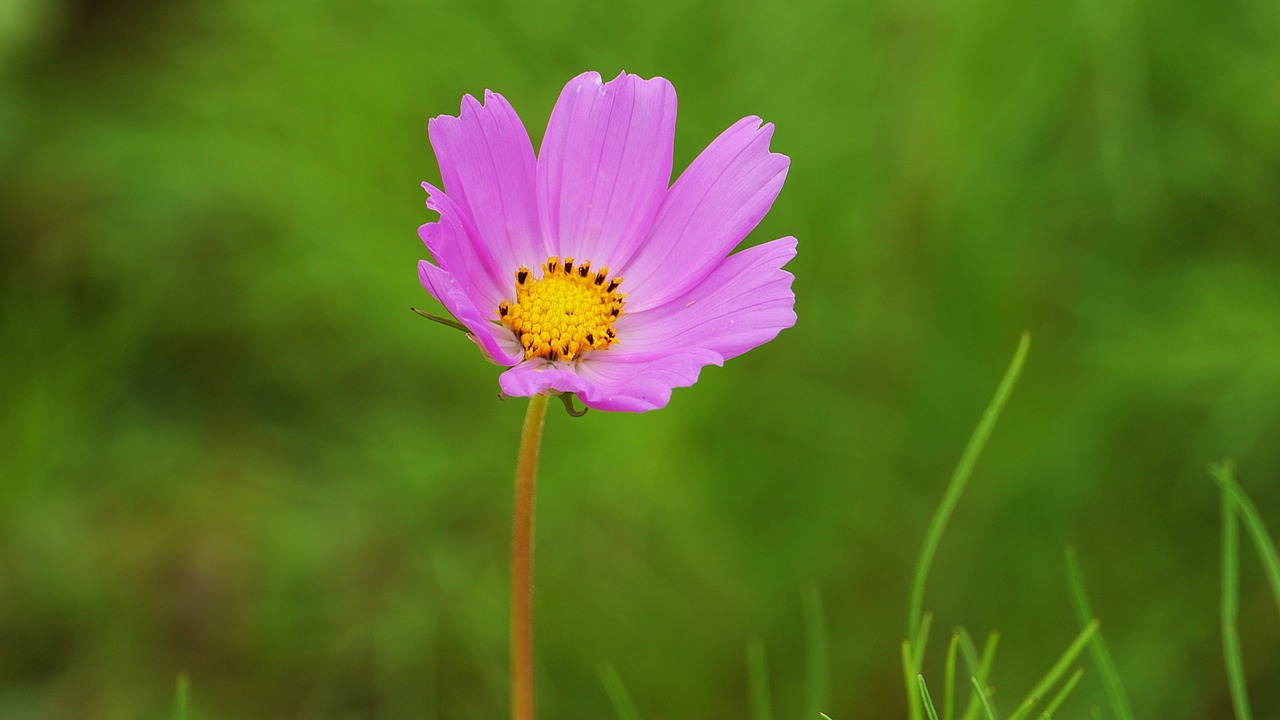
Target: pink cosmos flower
x,y
531,252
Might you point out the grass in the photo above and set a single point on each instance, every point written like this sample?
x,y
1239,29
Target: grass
x,y
1224,474
1067,687
617,692
1098,648
182,698
758,681
1231,609
918,621
917,630
980,693
1056,672
817,655
1236,507
1057,684
925,698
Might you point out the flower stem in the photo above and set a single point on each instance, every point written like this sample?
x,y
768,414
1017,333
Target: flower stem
x,y
522,562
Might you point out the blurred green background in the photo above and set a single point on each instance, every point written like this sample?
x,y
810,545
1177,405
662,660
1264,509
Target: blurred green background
x,y
228,448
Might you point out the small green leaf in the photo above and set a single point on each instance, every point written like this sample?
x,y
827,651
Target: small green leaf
x,y
448,322
567,399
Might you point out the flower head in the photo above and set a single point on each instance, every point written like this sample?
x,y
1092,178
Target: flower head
x,y
582,269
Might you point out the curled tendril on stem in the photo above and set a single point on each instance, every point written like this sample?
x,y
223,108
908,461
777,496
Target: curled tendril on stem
x,y
567,399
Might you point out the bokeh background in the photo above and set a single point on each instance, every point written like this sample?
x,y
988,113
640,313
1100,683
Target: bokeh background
x,y
228,448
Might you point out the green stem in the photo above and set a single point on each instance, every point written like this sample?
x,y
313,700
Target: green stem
x,y
522,562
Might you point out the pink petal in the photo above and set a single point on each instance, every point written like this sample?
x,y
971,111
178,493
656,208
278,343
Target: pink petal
x,y
456,246
604,165
612,379
717,201
495,342
488,167
745,302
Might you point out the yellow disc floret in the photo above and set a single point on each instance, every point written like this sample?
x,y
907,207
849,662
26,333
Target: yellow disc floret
x,y
566,312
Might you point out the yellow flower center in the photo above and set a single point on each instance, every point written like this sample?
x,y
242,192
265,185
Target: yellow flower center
x,y
567,312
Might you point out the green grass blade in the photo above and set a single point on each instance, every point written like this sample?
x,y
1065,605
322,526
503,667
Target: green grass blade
x,y
969,651
1057,700
982,696
988,655
909,674
913,661
919,643
929,709
1098,648
1231,606
1262,542
958,480
758,679
1057,671
817,661
182,698
617,692
979,666
949,691
824,716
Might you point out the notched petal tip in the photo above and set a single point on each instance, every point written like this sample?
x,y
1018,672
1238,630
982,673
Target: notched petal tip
x,y
759,130
592,79
470,108
433,196
637,78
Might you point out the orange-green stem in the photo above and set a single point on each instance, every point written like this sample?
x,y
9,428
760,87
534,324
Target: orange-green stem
x,y
522,707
